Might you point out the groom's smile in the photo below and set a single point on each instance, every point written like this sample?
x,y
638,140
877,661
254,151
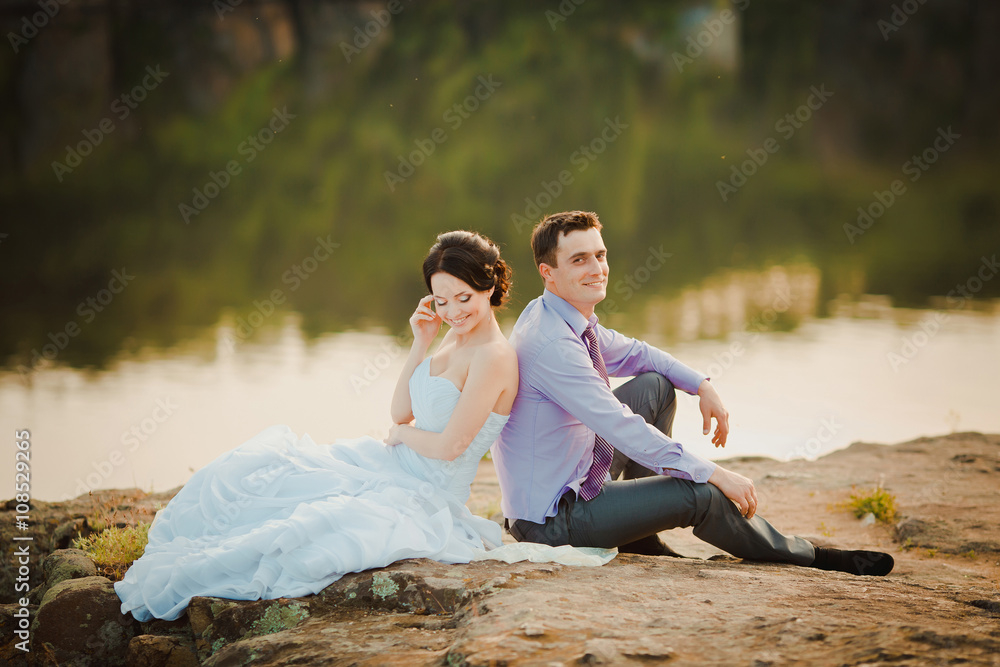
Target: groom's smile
x,y
581,272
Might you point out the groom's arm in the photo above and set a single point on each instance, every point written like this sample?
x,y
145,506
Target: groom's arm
x,y
564,373
627,357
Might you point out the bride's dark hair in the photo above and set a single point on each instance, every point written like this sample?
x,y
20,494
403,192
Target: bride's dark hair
x,y
472,258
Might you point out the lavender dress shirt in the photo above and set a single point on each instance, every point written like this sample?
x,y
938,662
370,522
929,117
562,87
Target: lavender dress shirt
x,y
547,446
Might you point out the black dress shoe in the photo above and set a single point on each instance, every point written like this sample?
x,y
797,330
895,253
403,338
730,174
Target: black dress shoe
x,y
651,545
861,563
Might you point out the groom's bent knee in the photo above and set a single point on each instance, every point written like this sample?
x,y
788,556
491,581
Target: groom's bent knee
x,y
659,389
666,392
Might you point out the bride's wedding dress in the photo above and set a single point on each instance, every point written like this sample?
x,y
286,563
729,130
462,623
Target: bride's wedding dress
x,y
281,516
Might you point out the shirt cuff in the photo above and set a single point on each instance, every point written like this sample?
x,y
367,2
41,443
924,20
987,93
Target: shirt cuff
x,y
692,467
687,379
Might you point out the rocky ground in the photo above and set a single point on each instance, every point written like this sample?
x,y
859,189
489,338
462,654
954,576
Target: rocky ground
x,y
941,604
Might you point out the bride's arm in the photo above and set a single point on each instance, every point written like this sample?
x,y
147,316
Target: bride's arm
x,y
401,409
492,370
425,324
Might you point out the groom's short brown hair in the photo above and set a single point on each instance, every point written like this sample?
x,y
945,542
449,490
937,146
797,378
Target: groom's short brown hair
x,y
545,235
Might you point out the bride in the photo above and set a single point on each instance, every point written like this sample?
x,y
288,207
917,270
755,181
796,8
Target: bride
x,y
282,516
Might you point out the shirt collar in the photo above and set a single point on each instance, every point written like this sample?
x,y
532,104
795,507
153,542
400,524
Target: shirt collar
x,y
573,317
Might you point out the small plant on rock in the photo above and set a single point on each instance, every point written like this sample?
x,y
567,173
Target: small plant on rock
x,y
120,537
114,549
878,502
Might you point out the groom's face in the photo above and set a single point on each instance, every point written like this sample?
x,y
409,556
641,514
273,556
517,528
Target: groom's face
x,y
581,274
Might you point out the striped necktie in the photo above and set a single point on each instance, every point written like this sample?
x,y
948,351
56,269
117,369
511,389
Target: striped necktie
x,y
603,452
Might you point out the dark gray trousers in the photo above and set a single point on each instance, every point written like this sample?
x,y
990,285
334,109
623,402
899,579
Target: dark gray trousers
x,y
644,503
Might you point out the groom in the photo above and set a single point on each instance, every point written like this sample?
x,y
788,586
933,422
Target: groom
x,y
570,436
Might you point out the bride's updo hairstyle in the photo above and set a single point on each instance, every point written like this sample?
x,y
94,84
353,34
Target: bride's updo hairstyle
x,y
472,258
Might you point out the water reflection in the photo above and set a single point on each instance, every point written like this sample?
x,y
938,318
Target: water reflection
x,y
744,303
796,385
171,195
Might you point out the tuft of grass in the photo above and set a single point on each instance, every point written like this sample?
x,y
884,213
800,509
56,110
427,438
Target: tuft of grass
x,y
114,549
878,501
120,534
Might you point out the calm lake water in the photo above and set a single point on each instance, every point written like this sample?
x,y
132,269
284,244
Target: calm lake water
x,y
153,418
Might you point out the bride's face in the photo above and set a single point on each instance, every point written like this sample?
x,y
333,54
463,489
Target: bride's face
x,y
458,303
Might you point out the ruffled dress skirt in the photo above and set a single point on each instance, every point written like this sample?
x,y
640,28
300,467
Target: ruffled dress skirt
x,y
281,516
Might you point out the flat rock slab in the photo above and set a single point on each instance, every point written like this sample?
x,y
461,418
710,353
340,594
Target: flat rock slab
x,y
636,609
941,604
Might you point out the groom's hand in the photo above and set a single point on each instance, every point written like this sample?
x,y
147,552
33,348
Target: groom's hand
x,y
737,488
711,406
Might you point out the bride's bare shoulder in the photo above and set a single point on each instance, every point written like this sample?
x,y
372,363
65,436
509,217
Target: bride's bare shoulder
x,y
497,354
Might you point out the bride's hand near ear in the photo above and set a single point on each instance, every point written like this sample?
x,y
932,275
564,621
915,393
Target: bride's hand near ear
x,y
425,323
